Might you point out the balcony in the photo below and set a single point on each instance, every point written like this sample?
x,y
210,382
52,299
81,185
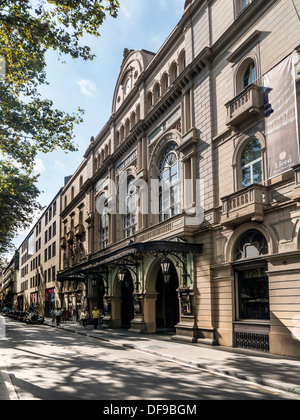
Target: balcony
x,y
70,237
244,205
296,193
79,231
245,105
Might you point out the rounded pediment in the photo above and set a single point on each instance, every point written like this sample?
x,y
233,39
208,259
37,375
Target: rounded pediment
x,y
134,63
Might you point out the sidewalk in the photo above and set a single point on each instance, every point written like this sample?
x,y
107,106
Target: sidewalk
x,y
282,373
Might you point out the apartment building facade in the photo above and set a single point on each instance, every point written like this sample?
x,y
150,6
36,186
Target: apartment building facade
x,y
39,263
183,214
9,282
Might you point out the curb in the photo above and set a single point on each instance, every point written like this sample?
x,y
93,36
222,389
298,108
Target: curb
x,y
281,386
8,384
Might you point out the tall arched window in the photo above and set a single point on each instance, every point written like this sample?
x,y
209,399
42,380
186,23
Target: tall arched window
x,y
130,218
165,82
249,75
252,286
149,100
169,184
104,227
251,164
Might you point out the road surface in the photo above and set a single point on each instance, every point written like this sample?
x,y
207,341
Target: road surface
x,y
46,363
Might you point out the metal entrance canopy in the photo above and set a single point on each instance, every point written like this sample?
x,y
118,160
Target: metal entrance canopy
x,y
130,254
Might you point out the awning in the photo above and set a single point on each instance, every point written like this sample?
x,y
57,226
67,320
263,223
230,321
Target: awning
x,y
136,251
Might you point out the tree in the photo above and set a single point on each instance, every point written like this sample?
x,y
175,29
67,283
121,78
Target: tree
x,y
18,194
28,123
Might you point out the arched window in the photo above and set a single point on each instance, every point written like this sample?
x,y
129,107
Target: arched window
x,y
122,133
127,127
249,75
133,119
138,113
182,61
130,204
117,138
251,244
165,82
173,72
104,227
127,86
169,184
252,286
149,100
251,164
156,92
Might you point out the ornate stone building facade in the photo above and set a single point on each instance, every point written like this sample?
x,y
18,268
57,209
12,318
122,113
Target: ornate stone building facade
x,y
172,221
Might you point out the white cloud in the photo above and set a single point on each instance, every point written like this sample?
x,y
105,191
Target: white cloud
x,y
87,87
39,165
130,8
126,11
59,164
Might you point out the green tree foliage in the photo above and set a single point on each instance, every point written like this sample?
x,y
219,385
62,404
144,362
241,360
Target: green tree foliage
x,y
18,194
29,123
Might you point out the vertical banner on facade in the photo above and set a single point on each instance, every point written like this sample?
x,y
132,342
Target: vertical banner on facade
x,y
281,122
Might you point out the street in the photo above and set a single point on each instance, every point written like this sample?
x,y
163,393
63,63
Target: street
x,y
46,363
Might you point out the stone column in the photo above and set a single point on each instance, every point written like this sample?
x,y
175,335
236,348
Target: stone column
x,y
150,311
115,321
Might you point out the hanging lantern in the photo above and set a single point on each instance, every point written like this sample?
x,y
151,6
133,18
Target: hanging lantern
x,y
165,267
121,274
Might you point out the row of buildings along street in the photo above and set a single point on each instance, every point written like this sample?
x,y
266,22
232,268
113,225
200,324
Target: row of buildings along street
x,y
184,214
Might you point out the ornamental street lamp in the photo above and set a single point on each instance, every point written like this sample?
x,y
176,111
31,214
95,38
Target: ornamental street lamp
x,y
165,267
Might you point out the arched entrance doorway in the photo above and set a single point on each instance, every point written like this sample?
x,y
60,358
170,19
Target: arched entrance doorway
x,y
97,293
127,308
167,303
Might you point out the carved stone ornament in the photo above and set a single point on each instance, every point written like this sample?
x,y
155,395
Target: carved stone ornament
x,y
126,53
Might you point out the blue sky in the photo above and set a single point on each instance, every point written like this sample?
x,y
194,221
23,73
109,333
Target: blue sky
x,y
90,85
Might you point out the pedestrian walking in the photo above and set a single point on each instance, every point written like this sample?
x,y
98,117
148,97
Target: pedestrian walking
x,y
74,316
84,318
96,315
52,313
100,320
57,313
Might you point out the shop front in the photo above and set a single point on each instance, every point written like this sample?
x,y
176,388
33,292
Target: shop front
x,y
251,326
49,301
34,301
